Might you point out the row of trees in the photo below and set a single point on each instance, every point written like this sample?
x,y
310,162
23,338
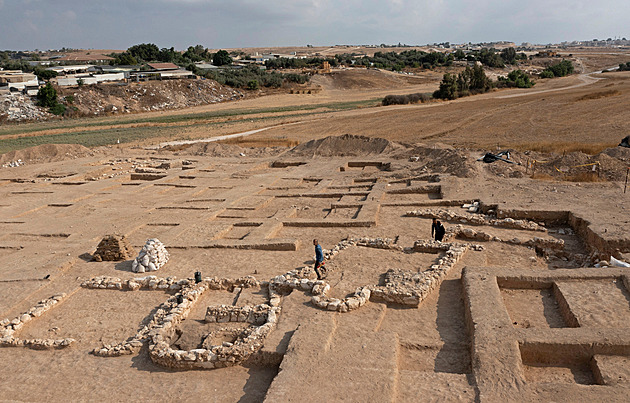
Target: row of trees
x,y
406,59
149,52
253,78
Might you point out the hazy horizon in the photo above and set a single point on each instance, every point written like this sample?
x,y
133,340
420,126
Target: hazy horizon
x,y
37,24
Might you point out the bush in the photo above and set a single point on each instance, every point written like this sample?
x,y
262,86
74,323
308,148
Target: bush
x,y
405,99
252,85
546,74
58,109
517,79
47,96
564,68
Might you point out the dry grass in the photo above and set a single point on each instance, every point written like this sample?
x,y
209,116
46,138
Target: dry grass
x,y
563,147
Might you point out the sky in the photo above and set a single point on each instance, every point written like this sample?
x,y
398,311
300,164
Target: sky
x,y
119,24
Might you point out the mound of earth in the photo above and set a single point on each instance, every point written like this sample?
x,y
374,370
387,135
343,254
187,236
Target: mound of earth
x,y
46,153
441,158
613,163
345,145
215,149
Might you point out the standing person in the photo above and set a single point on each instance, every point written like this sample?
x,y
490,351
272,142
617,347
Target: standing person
x,y
439,231
433,227
320,269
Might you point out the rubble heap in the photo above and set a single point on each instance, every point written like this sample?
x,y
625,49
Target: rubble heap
x,y
9,327
19,108
476,219
113,248
152,256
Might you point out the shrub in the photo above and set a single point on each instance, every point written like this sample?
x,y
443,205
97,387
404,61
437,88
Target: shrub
x,y
58,109
546,74
252,85
516,78
405,99
564,68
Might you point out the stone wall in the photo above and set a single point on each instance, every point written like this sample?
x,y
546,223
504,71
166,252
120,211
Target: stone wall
x,y
9,328
476,219
401,287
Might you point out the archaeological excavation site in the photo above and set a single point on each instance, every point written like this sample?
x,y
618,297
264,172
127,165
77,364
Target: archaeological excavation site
x,y
188,274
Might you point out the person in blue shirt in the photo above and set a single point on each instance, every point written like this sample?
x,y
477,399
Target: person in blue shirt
x,y
320,269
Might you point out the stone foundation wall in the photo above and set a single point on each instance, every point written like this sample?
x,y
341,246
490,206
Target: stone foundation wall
x,y
401,287
476,219
167,312
9,328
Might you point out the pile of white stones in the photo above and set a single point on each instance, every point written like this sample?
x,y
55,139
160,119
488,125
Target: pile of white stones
x,y
476,219
8,328
151,258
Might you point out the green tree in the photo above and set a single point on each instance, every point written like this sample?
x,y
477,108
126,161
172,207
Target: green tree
x,y
147,52
509,55
45,75
47,96
221,58
124,59
448,87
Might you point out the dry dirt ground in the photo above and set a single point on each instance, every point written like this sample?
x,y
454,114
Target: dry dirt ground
x,y
556,328
511,321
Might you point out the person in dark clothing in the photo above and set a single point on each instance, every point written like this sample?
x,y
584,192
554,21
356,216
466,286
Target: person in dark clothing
x,y
433,227
439,231
320,269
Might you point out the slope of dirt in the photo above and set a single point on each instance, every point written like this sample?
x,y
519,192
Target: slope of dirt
x,y
46,153
215,149
115,98
345,145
